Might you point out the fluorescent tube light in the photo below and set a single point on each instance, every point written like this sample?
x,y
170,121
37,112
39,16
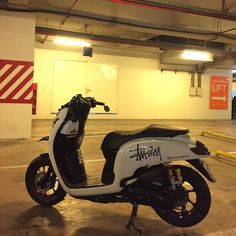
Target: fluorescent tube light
x,y
197,55
71,42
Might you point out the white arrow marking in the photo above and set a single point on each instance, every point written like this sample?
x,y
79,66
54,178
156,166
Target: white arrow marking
x,y
219,98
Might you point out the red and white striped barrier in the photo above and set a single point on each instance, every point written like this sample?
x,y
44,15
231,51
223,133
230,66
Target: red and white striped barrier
x,y
16,79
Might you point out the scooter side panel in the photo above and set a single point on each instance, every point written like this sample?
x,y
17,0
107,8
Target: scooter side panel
x,y
152,151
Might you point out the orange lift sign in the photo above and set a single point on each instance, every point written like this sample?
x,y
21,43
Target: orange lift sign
x,y
219,93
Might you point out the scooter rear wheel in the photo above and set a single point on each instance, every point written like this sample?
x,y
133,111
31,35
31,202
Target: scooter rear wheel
x,y
42,183
193,203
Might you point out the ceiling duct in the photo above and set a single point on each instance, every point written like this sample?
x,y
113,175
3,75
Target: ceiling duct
x,y
171,60
119,40
189,42
198,68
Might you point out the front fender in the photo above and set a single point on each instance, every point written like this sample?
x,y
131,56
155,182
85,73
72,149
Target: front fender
x,y
203,168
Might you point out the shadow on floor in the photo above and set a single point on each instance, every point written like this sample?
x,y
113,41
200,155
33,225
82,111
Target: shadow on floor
x,y
39,220
107,223
82,218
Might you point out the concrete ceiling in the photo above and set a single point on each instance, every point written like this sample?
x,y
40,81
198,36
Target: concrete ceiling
x,y
145,24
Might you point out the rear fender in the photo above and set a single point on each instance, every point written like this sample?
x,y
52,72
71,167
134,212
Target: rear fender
x,y
203,168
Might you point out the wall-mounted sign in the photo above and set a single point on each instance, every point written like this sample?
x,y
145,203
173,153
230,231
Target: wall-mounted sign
x,y
219,92
16,78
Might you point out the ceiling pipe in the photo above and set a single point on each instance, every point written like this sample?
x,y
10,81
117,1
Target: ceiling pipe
x,y
68,12
228,30
183,9
123,23
108,39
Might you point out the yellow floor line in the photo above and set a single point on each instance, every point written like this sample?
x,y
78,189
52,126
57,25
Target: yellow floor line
x,y
205,132
225,154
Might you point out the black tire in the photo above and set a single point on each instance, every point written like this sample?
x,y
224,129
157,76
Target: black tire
x,y
185,217
51,192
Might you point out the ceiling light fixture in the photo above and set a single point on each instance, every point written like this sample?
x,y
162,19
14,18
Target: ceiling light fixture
x,y
196,55
71,42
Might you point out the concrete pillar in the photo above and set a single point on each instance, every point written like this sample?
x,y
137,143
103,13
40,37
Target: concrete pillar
x,y
17,34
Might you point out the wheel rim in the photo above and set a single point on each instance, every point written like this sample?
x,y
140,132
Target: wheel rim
x,y
189,203
45,189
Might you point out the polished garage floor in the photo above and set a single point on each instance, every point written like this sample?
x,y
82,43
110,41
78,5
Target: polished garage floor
x,y
19,215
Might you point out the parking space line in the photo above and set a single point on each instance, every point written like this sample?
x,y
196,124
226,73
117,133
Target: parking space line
x,y
95,160
12,167
25,166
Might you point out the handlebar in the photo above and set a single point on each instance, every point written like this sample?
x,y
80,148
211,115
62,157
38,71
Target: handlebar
x,y
100,103
95,103
74,102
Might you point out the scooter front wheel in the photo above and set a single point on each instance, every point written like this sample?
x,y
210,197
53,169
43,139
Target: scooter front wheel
x,y
42,183
193,200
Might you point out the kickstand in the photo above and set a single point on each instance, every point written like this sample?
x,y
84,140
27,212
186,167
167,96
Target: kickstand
x,y
132,218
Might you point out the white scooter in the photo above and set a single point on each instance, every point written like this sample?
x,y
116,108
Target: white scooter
x,y
137,168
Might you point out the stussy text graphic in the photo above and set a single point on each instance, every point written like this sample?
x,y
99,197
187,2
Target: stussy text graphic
x,y
141,153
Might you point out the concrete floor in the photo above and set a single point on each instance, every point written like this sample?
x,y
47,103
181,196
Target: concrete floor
x,y
21,216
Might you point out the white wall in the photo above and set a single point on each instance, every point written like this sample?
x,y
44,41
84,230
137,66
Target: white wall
x,y
16,43
143,91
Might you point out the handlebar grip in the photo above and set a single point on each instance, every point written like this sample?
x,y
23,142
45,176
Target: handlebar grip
x,y
100,103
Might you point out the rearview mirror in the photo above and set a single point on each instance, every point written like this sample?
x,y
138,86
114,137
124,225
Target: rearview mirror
x,y
106,108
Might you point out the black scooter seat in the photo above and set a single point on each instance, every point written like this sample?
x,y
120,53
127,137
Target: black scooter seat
x,y
115,139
